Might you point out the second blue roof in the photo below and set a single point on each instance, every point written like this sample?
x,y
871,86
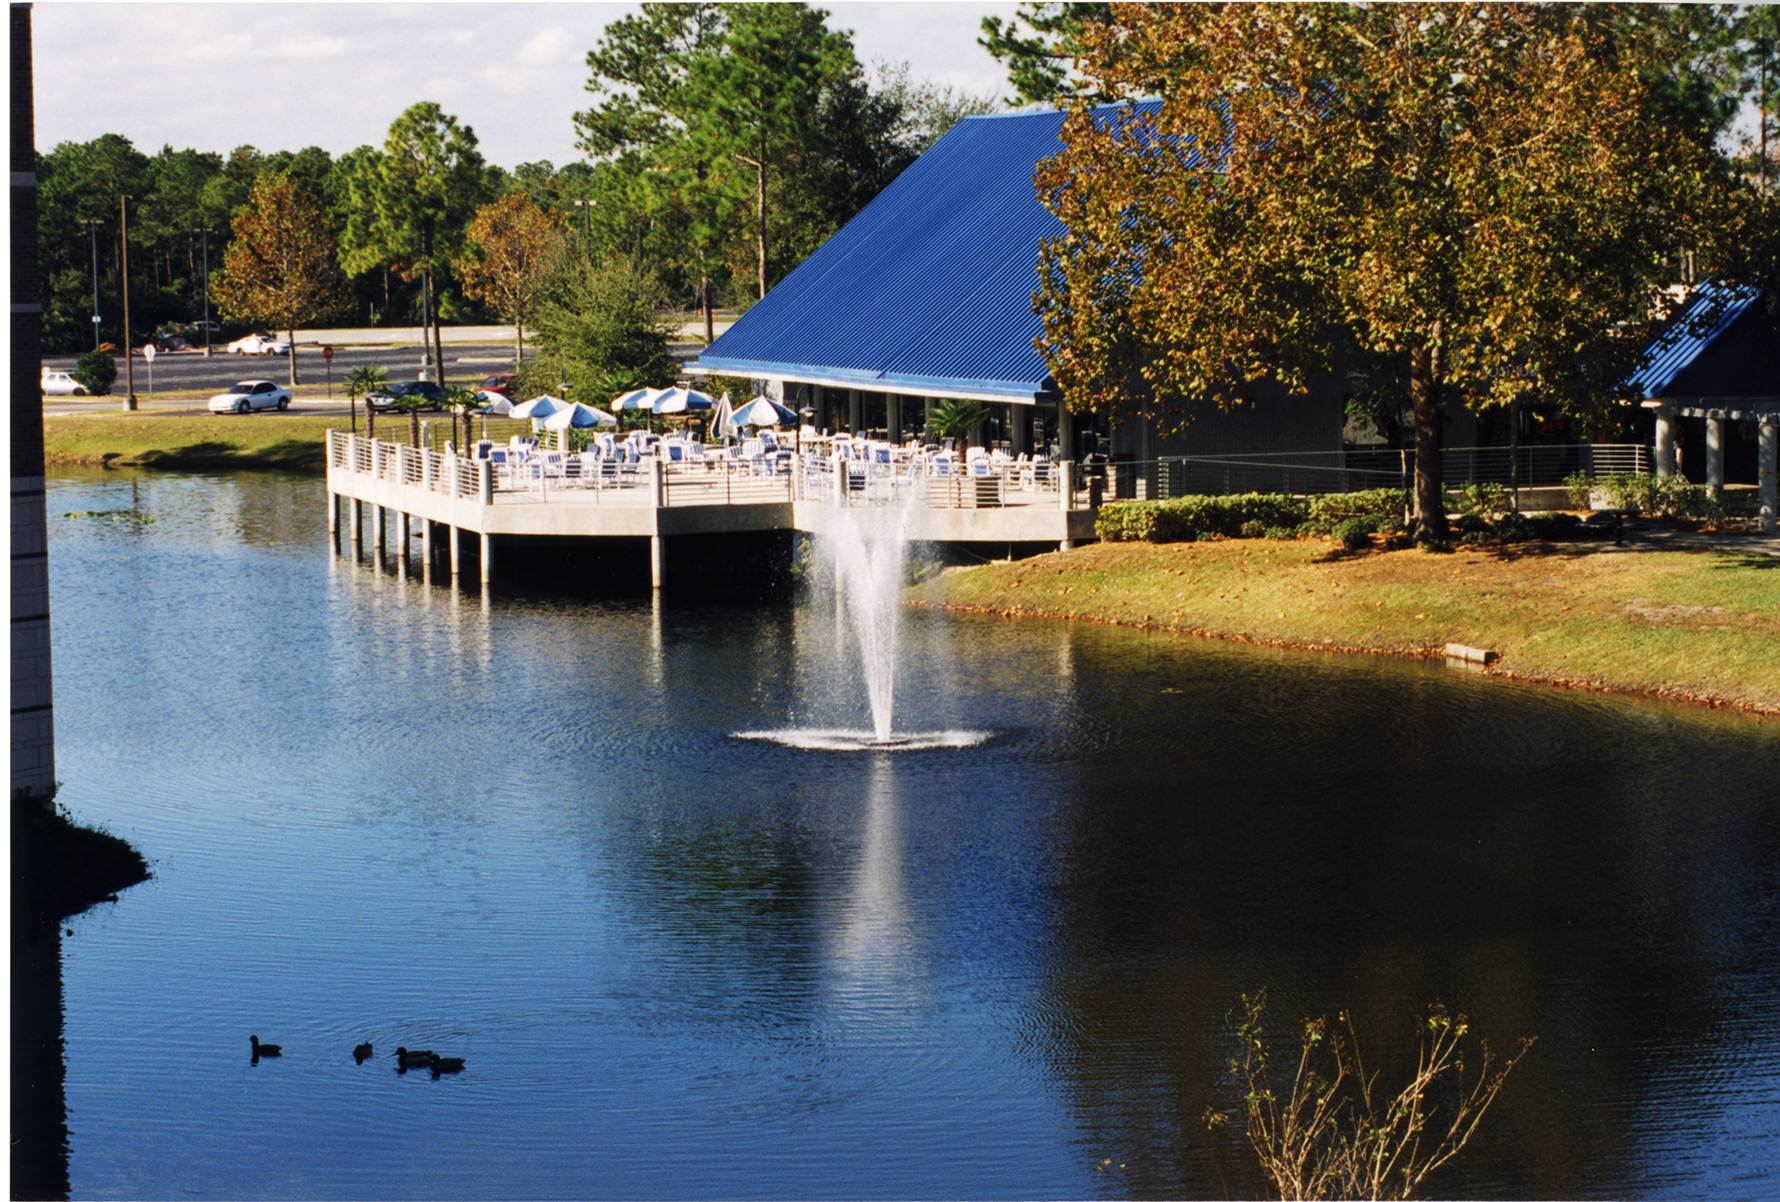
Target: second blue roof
x,y
928,287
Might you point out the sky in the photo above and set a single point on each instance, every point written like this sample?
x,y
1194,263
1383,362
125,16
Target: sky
x,y
286,76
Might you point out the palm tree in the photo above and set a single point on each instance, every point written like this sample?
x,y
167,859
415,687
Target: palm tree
x,y
957,420
464,401
363,381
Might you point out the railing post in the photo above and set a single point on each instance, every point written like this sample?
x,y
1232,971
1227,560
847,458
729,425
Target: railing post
x,y
485,483
1065,474
657,483
836,463
426,469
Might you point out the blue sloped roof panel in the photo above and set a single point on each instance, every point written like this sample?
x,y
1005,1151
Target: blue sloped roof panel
x,y
1711,310
929,286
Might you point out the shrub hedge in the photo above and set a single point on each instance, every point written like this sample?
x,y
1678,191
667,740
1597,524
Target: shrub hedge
x,y
1184,519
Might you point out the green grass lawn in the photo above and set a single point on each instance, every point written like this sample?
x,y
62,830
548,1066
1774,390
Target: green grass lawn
x,y
183,441
1697,624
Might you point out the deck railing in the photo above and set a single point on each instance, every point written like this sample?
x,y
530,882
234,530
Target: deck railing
x,y
946,485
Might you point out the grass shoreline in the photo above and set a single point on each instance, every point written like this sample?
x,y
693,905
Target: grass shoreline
x,y
1689,625
292,442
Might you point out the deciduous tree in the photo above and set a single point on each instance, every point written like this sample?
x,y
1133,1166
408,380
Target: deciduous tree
x,y
513,247
280,265
1487,199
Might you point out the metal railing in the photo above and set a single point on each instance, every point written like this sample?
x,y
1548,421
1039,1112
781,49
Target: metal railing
x,y
1309,472
943,484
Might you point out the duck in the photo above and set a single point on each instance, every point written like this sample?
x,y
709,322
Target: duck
x,y
264,1049
361,1053
407,1059
447,1064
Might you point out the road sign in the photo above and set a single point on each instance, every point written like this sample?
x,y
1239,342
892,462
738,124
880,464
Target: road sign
x,y
95,319
148,352
327,354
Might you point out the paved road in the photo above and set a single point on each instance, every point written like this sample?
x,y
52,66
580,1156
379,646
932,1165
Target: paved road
x,y
187,370
184,371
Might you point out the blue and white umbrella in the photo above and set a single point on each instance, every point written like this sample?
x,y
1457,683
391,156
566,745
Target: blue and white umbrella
x,y
538,408
494,404
763,411
674,401
642,399
577,416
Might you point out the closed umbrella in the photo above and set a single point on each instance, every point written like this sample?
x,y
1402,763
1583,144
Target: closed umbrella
x,y
763,411
722,419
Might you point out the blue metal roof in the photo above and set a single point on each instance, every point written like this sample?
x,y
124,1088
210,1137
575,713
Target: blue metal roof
x,y
1710,311
927,287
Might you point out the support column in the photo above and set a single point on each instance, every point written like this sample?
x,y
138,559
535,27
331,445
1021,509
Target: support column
x,y
426,541
1769,477
855,411
927,404
1065,432
487,550
333,512
1022,428
657,560
403,533
1665,440
457,541
358,520
893,417
377,528
1065,500
1715,453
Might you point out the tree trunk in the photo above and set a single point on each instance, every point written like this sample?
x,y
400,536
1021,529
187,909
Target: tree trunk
x,y
291,333
518,342
414,427
1424,399
352,404
438,341
704,295
760,217
370,420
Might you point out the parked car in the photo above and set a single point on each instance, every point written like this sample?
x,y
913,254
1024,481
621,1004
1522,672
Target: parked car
x,y
259,344
170,342
501,382
398,396
249,395
61,383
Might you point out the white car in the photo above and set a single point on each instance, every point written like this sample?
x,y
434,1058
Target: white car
x,y
61,383
249,395
259,344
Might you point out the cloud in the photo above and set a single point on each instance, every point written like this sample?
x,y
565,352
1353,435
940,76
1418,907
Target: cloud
x,y
313,48
544,48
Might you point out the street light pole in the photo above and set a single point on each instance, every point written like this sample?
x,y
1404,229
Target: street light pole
x,y
123,235
207,291
93,225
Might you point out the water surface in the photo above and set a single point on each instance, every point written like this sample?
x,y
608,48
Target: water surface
x,y
517,829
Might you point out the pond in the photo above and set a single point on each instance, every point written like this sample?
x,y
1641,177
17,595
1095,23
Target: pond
x,y
517,828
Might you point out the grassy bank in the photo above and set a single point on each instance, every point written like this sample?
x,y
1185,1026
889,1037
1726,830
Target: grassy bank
x,y
1691,624
184,442
60,868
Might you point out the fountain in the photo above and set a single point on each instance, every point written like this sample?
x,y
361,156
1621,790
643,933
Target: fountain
x,y
861,552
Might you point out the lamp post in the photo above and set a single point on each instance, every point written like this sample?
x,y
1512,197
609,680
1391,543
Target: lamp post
x,y
207,292
93,224
123,236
